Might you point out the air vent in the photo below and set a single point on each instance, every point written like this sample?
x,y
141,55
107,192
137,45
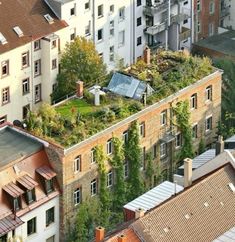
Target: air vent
x,y
18,31
3,40
49,19
206,204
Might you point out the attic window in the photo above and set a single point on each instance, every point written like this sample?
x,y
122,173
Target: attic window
x,y
49,19
3,40
231,187
18,31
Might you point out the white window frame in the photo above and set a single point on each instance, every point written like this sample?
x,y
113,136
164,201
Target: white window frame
x,y
38,93
93,187
125,137
142,129
208,123
100,11
25,56
163,117
93,156
5,64
121,38
37,67
121,14
178,140
25,86
77,196
109,147
110,178
195,126
209,93
102,35
163,150
211,7
5,95
193,101
77,164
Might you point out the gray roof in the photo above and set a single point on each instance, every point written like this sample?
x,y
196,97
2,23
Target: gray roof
x,y
231,139
223,43
154,197
228,236
14,145
128,86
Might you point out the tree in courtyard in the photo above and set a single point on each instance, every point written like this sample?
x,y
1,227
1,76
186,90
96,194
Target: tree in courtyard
x,y
79,61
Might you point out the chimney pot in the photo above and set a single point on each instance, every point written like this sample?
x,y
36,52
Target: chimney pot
x,y
147,55
122,238
219,146
188,170
139,213
79,89
99,234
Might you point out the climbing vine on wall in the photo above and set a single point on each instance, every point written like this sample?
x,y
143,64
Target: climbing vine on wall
x,y
182,121
149,170
133,155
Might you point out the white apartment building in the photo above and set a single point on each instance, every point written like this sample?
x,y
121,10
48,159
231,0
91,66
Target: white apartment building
x,y
30,44
227,17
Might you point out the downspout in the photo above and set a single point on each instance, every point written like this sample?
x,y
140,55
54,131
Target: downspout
x,y
93,19
192,24
168,24
134,37
32,73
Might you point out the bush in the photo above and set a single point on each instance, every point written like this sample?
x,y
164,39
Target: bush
x,y
135,107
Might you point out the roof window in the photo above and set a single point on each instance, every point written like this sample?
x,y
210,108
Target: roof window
x,y
3,40
18,31
49,19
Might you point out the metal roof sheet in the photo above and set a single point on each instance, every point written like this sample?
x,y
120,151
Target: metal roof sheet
x,y
231,139
27,182
46,172
202,159
9,223
228,236
154,197
13,190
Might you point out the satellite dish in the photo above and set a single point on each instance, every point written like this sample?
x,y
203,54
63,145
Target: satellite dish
x,y
17,123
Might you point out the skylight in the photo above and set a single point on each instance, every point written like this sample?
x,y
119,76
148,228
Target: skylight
x,y
49,19
18,31
3,40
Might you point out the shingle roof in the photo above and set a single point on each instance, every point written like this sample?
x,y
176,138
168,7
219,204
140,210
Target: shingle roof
x,y
129,234
29,16
9,223
201,213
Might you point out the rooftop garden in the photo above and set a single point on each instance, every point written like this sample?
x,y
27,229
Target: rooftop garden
x,y
78,119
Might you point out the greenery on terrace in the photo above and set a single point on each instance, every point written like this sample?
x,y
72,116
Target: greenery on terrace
x,y
78,119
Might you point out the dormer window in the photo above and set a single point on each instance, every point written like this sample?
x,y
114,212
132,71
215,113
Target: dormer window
x,y
30,196
49,186
16,204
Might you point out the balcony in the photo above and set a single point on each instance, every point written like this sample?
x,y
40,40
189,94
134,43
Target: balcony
x,y
225,11
155,29
156,45
185,33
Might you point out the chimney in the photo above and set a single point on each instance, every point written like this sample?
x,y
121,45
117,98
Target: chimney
x,y
99,234
122,238
79,89
147,55
219,146
188,172
139,213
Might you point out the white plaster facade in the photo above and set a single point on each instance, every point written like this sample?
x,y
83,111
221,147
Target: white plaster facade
x,y
227,17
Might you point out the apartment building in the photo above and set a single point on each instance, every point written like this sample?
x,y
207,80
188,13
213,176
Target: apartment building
x,y
168,24
115,27
30,44
227,19
29,193
206,18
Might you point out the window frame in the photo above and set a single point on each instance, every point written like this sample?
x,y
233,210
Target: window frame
x,y
110,179
5,63
208,123
5,95
25,86
163,118
34,226
94,187
100,35
142,129
163,150
39,95
26,56
50,218
209,93
37,68
54,63
193,101
37,45
195,131
77,196
121,14
100,11
77,166
178,140
109,147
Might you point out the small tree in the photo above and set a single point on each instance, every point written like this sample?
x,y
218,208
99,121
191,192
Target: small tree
x,y
79,61
133,155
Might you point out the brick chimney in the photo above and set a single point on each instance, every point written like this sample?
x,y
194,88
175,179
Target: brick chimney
x,y
219,146
188,171
79,89
99,234
139,213
147,55
122,238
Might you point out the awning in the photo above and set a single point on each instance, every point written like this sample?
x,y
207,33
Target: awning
x,y
46,172
13,190
27,182
9,223
167,138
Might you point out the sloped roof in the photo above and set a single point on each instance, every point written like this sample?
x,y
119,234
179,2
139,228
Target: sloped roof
x,y
127,86
29,16
129,234
9,223
228,236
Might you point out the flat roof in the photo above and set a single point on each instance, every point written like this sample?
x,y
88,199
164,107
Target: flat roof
x,y
14,145
223,43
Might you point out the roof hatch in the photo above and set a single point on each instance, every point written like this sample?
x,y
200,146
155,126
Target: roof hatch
x,y
18,31
49,19
3,40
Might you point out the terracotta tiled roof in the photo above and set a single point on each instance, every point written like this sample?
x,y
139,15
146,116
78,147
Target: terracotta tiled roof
x,y
29,16
201,213
46,172
9,223
13,190
27,181
129,234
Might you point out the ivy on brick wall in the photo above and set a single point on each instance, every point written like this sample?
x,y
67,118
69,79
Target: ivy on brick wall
x,y
182,121
149,170
133,155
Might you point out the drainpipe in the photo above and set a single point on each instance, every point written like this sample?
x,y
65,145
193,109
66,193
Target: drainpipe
x,y
168,24
93,19
134,21
192,24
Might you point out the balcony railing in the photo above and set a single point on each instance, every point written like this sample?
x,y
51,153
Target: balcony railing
x,y
185,33
155,29
225,11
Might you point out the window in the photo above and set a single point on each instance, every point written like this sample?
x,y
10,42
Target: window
x,y
31,226
125,169
88,28
211,7
109,179
30,196
211,29
162,150
111,28
198,5
25,111
100,34
72,11
37,93
163,117
125,137
109,147
87,5
5,68
76,196
49,186
93,187
50,216
111,53
138,3
208,124
139,40
111,9
101,55
194,131
142,129
3,238
198,26
121,13
138,21
3,119
25,59
53,64
53,44
178,140
185,21
37,67
100,11
16,203
37,44
186,2
209,93
5,95
93,156
121,38
193,101
155,151
25,86
77,164
72,34
51,239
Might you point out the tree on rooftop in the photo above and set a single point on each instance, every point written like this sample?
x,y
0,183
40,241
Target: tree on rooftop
x,y
79,61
